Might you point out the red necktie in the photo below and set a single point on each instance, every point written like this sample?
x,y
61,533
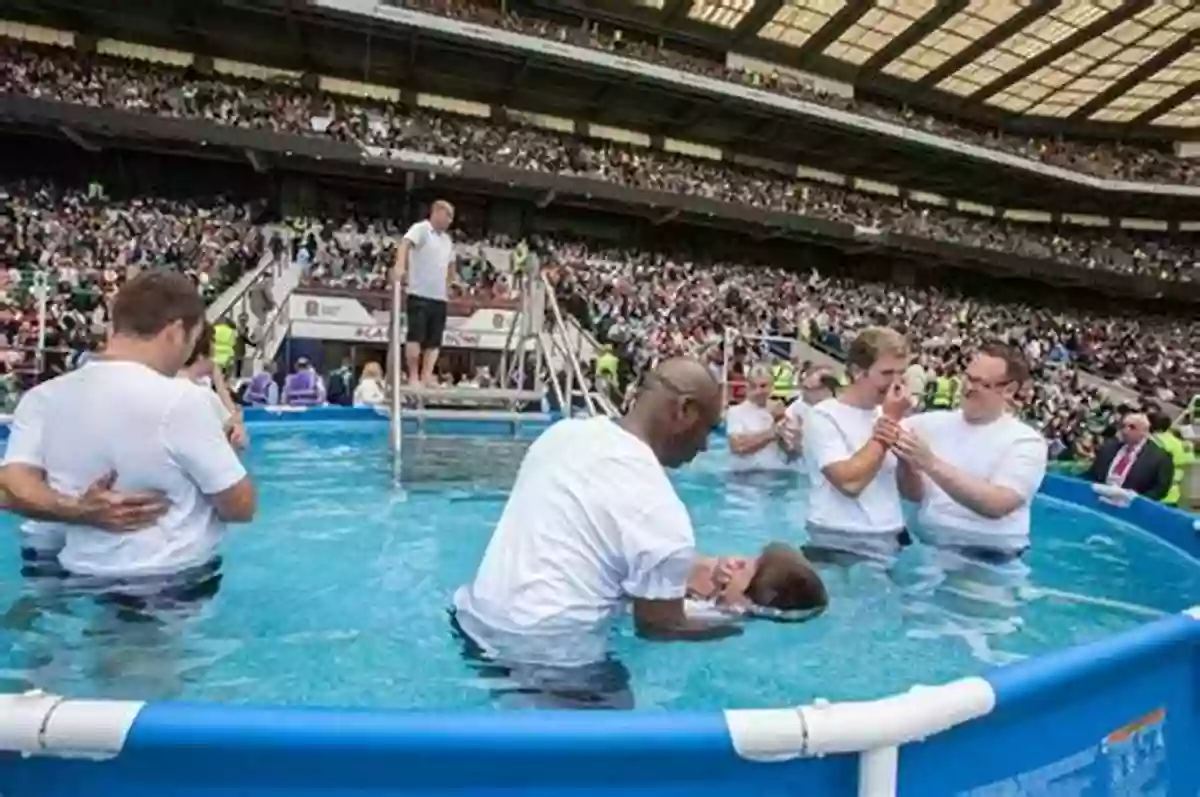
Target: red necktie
x,y
1121,467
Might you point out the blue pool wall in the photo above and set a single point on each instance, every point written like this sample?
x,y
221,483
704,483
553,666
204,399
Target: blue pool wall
x,y
1117,717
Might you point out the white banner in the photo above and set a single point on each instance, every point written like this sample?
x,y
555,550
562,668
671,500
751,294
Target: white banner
x,y
452,338
346,319
412,157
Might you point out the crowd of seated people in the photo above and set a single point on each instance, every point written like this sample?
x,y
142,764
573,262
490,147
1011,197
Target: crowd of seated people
x,y
81,245
1100,159
138,86
650,306
359,255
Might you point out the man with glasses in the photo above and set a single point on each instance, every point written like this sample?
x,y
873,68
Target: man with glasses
x,y
757,439
975,470
593,525
1133,461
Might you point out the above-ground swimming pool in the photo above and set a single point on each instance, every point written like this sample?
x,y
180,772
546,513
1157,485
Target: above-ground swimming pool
x,y
336,597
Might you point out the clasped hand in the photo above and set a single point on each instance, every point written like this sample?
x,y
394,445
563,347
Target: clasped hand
x,y
785,433
905,444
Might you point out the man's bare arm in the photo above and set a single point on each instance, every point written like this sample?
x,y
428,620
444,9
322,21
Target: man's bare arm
x,y
666,621
30,496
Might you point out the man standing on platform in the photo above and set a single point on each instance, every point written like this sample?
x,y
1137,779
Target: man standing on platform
x,y
423,266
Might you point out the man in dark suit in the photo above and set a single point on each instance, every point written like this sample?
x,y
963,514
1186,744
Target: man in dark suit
x,y
1133,461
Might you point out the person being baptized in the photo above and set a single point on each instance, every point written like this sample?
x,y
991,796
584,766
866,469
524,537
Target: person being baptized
x,y
778,584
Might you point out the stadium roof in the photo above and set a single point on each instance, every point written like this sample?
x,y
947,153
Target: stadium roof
x,y
1116,61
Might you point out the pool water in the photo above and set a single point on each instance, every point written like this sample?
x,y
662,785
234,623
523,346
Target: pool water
x,y
337,595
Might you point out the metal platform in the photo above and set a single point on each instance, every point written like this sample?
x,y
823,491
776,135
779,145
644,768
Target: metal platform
x,y
465,396
450,423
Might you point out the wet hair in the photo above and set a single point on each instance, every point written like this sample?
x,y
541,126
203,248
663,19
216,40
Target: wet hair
x,y
873,343
204,345
153,301
1016,367
784,580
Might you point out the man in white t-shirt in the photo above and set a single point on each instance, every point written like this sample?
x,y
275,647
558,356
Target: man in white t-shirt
x,y
199,371
855,509
127,413
592,526
817,385
975,470
424,261
758,439
42,534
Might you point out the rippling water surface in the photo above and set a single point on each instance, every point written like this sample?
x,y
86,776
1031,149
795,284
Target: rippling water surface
x,y
336,595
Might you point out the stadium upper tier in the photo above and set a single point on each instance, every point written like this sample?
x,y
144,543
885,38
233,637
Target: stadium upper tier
x,y
1134,63
425,138
607,74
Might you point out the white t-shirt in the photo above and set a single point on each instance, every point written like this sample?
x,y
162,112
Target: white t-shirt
x,y
157,433
749,418
834,433
204,385
591,521
25,448
798,412
428,261
1005,452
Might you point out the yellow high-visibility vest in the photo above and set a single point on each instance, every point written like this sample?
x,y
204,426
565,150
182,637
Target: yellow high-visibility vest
x,y
224,342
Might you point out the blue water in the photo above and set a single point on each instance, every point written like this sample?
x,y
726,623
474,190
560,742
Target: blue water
x,y
336,595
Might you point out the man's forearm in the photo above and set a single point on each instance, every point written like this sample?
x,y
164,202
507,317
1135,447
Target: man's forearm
x,y
30,497
746,444
910,481
689,631
975,494
401,269
851,476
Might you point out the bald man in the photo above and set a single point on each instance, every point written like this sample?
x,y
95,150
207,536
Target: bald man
x,y
593,525
423,266
1133,461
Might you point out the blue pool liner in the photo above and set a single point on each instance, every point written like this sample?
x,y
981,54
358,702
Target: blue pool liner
x,y
1120,716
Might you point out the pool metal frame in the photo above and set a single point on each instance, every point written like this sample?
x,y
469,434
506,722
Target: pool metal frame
x,y
1117,716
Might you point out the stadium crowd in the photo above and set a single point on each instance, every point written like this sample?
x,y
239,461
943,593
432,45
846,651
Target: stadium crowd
x,y
82,245
650,306
98,81
1106,160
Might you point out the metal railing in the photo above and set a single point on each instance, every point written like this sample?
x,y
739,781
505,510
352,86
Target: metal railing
x,y
560,339
395,369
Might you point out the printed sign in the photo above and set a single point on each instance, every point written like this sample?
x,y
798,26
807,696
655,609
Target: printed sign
x,y
1128,762
1136,754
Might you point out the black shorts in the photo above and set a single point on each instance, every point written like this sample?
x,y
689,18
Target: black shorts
x,y
143,597
843,557
36,563
599,685
989,556
426,320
